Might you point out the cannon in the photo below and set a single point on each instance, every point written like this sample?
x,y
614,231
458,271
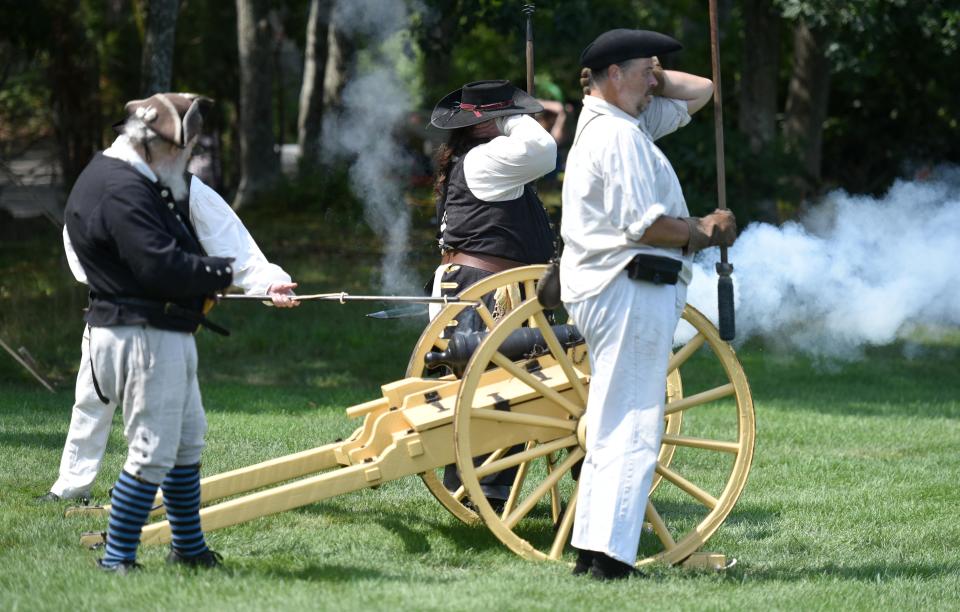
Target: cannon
x,y
503,399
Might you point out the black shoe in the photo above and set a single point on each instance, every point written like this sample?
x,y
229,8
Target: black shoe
x,y
50,496
584,562
207,558
497,505
607,568
120,569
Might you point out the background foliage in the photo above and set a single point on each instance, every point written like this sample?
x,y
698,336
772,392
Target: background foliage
x,y
891,107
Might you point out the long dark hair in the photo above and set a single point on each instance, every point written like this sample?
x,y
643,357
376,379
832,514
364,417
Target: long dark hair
x,y
460,141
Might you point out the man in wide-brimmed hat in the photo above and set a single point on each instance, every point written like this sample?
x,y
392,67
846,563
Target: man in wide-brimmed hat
x,y
489,215
629,241
152,243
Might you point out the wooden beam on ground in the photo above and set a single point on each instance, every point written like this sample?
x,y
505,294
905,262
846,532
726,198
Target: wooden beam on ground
x,y
28,366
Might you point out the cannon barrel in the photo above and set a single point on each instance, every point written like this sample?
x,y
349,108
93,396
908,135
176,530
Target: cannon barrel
x,y
522,343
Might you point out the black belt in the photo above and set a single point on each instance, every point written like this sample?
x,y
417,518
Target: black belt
x,y
654,269
167,308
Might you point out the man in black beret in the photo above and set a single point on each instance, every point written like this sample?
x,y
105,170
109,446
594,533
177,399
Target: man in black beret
x,y
629,241
149,278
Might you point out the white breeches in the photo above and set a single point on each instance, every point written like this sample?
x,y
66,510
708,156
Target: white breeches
x,y
629,330
152,374
88,434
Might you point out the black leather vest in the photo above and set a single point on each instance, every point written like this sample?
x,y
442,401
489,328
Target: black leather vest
x,y
513,229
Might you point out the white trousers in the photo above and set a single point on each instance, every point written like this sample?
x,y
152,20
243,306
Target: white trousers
x,y
152,374
88,434
629,330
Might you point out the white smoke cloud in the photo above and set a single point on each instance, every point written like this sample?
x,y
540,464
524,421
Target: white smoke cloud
x,y
856,272
375,104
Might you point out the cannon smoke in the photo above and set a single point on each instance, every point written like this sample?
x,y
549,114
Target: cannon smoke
x,y
375,104
854,272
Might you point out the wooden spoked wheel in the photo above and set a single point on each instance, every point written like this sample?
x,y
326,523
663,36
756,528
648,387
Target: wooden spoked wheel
x,y
431,340
708,465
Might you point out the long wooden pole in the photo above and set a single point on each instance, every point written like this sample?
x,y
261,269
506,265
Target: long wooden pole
x,y
29,367
528,10
725,308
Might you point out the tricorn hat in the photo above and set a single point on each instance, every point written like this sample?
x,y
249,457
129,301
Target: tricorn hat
x,y
622,44
175,117
481,101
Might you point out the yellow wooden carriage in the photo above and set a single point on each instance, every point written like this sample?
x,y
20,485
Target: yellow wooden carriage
x,y
421,424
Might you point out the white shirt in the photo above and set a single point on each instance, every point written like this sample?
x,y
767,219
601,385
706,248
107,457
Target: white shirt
x,y
496,171
219,229
617,183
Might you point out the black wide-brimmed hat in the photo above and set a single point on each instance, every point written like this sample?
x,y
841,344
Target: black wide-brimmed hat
x,y
622,44
481,101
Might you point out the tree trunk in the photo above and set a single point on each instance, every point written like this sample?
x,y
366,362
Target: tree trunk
x,y
156,61
259,162
310,119
758,76
807,99
437,40
340,52
75,89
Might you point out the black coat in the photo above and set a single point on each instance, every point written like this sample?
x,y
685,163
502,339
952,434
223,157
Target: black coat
x,y
134,242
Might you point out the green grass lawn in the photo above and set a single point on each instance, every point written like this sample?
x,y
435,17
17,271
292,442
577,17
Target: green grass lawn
x,y
851,501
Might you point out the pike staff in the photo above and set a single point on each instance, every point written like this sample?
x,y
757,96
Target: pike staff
x,y
528,10
725,309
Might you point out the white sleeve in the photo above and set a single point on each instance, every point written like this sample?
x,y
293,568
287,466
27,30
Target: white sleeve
x,y
72,260
222,234
664,116
497,170
629,193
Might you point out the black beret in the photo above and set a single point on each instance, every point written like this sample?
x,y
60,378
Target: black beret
x,y
622,44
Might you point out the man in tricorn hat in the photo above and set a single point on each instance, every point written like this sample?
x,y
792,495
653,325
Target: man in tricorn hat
x,y
489,215
629,241
149,277
219,231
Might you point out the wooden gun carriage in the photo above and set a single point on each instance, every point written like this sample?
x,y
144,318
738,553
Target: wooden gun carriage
x,y
421,424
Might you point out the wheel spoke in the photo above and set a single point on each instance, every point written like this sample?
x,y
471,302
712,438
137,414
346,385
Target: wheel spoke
x,y
561,356
525,456
685,485
681,356
529,288
566,525
485,315
520,418
659,527
542,489
513,290
537,385
705,444
518,481
704,397
461,492
554,491
441,343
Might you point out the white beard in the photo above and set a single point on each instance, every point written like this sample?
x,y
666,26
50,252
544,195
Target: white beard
x,y
172,173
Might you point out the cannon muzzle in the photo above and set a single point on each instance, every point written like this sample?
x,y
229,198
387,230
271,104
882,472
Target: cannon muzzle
x,y
522,343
